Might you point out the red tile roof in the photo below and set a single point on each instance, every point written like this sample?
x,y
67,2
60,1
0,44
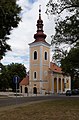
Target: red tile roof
x,y
25,81
55,68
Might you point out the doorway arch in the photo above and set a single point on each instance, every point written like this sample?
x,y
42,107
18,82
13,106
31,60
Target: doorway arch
x,y
26,90
34,90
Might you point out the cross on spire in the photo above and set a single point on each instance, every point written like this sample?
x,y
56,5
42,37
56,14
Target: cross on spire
x,y
39,11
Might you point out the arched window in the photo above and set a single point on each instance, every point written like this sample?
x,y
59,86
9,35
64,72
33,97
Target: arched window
x,y
35,55
35,75
45,55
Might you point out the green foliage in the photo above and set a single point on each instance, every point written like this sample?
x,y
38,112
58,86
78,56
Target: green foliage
x,y
8,72
9,19
58,6
67,30
70,64
67,34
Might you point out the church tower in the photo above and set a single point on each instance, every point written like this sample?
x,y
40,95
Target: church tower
x,y
39,60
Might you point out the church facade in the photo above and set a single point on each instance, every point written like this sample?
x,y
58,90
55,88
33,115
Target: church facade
x,y
44,76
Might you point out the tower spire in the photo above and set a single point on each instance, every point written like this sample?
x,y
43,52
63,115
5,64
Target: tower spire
x,y
39,11
40,35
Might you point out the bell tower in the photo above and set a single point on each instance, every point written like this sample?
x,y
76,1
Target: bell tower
x,y
39,60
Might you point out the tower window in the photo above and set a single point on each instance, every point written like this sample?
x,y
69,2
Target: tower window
x,y
35,55
35,75
45,56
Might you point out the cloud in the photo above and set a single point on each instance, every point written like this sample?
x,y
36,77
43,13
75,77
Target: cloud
x,y
23,35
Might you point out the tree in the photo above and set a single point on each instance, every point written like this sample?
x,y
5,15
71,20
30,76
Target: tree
x,y
70,64
67,29
66,38
9,19
3,79
7,74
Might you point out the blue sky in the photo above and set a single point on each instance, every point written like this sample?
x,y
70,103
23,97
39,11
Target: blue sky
x,y
32,1
23,35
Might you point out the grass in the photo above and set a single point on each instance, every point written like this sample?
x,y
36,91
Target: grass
x,y
48,110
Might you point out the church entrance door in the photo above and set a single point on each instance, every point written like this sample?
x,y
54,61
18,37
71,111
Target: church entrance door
x,y
34,90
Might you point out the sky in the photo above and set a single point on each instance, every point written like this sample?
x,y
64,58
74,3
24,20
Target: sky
x,y
23,35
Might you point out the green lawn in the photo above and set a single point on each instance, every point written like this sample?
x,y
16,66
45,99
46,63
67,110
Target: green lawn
x,y
48,110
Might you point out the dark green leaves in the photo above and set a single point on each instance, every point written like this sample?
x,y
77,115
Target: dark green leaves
x,y
9,19
8,72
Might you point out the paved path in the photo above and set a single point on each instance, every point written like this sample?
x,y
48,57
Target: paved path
x,y
20,100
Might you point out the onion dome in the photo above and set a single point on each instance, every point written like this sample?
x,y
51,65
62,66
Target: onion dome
x,y
39,36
